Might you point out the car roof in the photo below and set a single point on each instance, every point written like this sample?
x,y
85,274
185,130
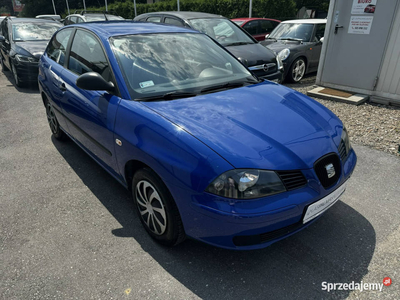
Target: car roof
x,y
251,19
32,20
108,29
307,21
186,15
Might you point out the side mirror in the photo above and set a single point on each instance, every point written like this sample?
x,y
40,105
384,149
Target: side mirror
x,y
267,35
321,40
93,81
2,39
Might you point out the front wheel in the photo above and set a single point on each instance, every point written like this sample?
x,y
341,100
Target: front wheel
x,y
156,208
297,70
53,122
15,75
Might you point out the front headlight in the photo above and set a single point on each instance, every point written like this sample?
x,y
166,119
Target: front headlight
x,y
279,62
246,184
284,54
23,58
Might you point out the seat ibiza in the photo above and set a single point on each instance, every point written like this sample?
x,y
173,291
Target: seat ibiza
x,y
208,150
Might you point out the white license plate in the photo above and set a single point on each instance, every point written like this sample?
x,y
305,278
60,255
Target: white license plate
x,y
317,208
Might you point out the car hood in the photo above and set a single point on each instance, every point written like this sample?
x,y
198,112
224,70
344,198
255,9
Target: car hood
x,y
280,45
252,54
35,49
265,126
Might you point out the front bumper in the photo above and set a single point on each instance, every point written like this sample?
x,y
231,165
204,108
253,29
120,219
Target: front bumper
x,y
27,72
254,224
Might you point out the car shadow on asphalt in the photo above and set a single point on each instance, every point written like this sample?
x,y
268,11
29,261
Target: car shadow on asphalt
x,y
31,88
336,248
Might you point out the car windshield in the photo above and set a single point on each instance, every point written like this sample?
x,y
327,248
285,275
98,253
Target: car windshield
x,y
33,31
93,18
154,65
114,18
222,30
295,31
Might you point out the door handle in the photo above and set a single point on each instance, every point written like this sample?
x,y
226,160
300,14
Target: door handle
x,y
337,27
62,87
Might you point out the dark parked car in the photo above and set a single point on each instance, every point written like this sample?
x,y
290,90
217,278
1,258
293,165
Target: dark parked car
x,y
89,16
207,149
257,27
298,44
22,42
261,61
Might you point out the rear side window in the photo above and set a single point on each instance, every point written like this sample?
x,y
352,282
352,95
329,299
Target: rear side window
x,y
58,46
154,19
73,20
173,21
87,55
266,26
320,31
251,27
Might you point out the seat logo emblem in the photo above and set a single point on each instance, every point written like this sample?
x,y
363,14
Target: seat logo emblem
x,y
330,170
265,68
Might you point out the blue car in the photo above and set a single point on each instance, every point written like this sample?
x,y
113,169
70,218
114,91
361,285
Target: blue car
x,y
208,150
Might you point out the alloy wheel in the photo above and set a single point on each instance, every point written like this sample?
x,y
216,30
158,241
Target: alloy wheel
x,y
14,72
51,119
298,70
151,207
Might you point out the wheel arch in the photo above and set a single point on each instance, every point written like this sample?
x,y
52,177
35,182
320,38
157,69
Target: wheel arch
x,y
131,167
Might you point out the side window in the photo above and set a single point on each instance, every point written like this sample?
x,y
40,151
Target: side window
x,y
87,55
251,27
58,46
156,19
173,21
73,20
79,20
274,24
266,26
319,33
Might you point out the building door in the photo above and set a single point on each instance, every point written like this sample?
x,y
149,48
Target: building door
x,y
354,59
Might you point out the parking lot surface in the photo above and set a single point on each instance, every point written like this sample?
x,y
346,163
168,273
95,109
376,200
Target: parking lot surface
x,y
68,230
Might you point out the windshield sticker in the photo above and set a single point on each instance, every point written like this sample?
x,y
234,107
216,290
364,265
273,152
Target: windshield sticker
x,y
146,84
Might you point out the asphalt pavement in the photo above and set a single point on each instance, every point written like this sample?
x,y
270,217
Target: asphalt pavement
x,y
68,230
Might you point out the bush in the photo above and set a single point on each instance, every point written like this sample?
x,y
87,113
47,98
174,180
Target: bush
x,y
278,9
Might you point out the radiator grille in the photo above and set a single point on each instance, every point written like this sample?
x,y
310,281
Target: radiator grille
x,y
292,179
320,168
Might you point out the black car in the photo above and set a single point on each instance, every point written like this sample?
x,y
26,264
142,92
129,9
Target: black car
x,y
262,61
298,44
22,42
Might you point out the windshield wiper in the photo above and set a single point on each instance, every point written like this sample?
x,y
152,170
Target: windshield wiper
x,y
291,39
167,96
237,44
224,86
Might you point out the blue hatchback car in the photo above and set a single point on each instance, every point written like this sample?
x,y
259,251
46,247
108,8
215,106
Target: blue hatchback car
x,y
208,150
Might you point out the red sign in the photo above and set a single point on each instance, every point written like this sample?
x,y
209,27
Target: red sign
x,y
17,5
387,281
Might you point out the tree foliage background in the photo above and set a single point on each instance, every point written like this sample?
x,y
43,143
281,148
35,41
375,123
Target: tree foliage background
x,y
279,9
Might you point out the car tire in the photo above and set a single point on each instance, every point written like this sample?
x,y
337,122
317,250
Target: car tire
x,y
297,70
156,208
15,75
3,66
53,122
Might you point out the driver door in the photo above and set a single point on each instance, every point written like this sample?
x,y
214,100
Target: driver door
x,y
90,114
